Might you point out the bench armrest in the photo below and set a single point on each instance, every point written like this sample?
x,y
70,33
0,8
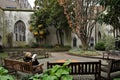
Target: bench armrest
x,y
38,68
105,65
40,65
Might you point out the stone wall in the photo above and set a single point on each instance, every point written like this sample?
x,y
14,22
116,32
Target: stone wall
x,y
1,26
11,17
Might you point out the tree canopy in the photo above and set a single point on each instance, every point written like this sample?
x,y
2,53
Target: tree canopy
x,y
111,14
39,23
48,13
81,17
58,20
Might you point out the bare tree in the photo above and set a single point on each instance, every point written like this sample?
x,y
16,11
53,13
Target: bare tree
x,y
81,16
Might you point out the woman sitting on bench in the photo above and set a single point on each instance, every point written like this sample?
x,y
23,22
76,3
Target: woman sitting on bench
x,y
28,57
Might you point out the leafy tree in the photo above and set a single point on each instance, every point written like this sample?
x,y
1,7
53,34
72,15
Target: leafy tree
x,y
49,13
111,14
58,20
39,24
81,18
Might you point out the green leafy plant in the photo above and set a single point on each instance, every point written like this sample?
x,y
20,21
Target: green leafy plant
x,y
4,74
56,73
100,46
109,43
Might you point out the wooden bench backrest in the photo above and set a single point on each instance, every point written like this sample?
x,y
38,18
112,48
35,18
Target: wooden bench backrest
x,y
26,67
114,65
81,67
18,65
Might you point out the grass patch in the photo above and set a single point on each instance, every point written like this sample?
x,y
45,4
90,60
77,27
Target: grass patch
x,y
3,54
81,52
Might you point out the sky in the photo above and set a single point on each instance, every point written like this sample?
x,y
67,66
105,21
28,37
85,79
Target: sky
x,y
31,2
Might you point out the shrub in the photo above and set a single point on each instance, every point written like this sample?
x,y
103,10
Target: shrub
x,y
34,45
100,46
109,43
4,74
47,46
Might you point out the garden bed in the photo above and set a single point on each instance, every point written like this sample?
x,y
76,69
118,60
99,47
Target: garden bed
x,y
80,52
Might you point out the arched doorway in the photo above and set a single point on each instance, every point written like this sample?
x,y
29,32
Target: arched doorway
x,y
99,35
19,30
74,42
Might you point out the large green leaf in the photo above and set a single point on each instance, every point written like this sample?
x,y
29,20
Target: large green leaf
x,y
50,78
36,77
66,77
3,71
6,77
54,69
61,72
66,63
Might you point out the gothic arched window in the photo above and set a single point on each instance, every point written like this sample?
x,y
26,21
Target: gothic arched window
x,y
19,30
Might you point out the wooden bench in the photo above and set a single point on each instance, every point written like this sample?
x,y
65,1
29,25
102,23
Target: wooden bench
x,y
82,68
112,67
26,67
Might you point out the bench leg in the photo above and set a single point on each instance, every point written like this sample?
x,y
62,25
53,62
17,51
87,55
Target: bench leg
x,y
97,77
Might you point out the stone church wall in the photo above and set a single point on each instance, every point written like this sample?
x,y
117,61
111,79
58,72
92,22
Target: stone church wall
x,y
1,26
11,17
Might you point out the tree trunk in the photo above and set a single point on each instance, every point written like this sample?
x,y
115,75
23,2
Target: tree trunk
x,y
57,35
84,41
85,45
61,37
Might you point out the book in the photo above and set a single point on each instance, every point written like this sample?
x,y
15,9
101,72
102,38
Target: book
x,y
34,56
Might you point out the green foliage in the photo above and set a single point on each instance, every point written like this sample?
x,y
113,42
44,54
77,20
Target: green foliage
x,y
39,23
81,52
34,45
111,13
26,76
49,13
47,46
58,19
116,79
107,43
100,46
4,74
56,73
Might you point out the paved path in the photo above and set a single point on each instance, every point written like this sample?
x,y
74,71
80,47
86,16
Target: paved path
x,y
63,55
54,56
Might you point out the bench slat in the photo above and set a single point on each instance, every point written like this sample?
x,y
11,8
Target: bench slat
x,y
81,68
